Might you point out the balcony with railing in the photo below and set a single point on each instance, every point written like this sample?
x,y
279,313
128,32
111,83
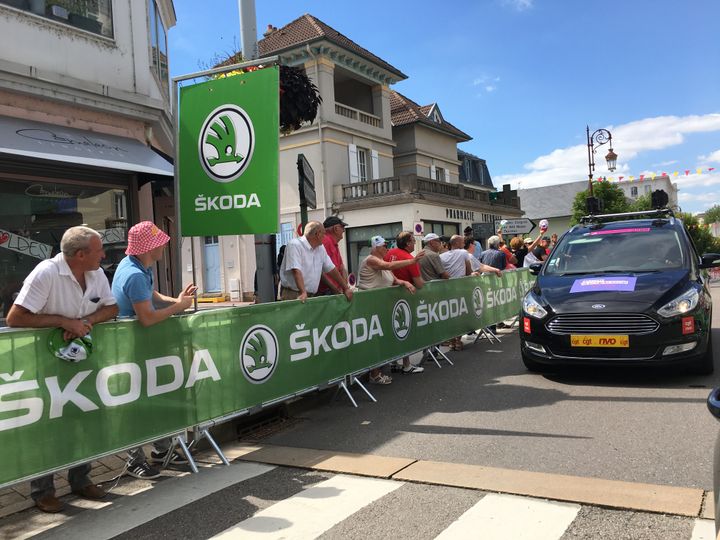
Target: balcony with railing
x,y
410,186
358,115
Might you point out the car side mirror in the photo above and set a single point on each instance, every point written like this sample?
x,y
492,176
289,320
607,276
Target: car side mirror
x,y
710,260
535,268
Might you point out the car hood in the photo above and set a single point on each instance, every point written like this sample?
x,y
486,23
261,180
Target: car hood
x,y
627,292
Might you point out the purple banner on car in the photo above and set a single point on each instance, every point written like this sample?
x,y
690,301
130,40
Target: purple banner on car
x,y
615,283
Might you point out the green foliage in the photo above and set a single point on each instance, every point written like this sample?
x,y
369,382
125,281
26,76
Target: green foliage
x,y
704,241
612,196
644,202
712,214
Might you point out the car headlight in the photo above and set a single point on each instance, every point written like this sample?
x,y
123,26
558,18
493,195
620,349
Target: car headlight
x,y
687,301
532,307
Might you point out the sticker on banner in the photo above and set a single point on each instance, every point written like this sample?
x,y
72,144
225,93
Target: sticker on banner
x,y
615,283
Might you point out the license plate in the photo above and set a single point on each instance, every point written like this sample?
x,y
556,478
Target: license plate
x,y
599,340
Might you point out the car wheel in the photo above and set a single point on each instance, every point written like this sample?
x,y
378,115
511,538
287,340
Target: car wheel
x,y
532,365
706,364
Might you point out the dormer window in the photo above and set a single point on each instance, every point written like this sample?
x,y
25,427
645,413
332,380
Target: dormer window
x,y
436,117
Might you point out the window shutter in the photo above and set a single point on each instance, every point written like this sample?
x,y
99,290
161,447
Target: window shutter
x,y
447,175
375,165
352,159
433,174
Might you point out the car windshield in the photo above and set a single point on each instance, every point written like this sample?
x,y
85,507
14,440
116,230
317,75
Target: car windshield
x,y
627,249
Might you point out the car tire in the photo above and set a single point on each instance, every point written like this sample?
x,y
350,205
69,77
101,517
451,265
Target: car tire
x,y
705,365
530,364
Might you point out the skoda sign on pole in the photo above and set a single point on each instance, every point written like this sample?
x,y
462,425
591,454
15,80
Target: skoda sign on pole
x,y
228,155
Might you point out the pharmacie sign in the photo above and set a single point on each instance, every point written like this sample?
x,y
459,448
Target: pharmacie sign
x,y
227,155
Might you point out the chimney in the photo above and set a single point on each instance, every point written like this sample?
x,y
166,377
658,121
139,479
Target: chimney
x,y
270,30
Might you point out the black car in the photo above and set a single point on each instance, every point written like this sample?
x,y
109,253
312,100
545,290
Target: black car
x,y
621,289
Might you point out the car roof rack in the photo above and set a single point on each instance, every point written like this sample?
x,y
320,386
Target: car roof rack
x,y
599,218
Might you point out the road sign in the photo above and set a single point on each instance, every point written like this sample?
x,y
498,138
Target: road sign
x,y
306,182
515,226
482,230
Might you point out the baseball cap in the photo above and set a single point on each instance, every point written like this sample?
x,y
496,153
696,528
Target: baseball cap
x,y
430,236
333,220
377,241
144,237
528,240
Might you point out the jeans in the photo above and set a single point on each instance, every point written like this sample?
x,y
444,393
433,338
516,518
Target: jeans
x,y
45,485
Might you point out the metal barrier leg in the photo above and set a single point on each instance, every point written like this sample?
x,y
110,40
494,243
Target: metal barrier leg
x,y
205,433
443,355
347,393
432,354
355,380
180,441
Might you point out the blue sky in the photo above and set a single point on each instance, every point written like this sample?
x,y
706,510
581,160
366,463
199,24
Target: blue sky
x,y
524,77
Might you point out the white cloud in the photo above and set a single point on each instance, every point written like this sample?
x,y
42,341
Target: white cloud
x,y
490,88
665,163
519,5
569,164
713,157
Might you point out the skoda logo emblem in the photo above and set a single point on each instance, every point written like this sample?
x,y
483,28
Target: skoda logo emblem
x,y
226,143
401,319
598,306
258,354
477,300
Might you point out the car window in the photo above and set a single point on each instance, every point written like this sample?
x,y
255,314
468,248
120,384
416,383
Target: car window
x,y
629,249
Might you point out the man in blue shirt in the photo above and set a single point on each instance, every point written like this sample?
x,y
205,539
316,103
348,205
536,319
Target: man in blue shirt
x,y
133,290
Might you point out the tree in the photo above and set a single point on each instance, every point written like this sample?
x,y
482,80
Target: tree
x,y
642,203
613,198
712,214
704,241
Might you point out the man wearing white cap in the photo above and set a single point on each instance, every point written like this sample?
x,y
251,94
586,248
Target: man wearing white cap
x,y
69,291
431,267
133,289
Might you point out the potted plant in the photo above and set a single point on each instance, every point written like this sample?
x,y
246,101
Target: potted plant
x,y
80,16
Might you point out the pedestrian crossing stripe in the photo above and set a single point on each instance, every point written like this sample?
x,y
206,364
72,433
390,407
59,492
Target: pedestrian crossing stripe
x,y
312,511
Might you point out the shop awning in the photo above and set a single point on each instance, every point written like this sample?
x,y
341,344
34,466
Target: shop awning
x,y
48,141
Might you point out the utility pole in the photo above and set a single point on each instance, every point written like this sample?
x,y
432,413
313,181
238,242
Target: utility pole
x,y
264,243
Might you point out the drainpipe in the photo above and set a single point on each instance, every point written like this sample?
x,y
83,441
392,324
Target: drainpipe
x,y
322,146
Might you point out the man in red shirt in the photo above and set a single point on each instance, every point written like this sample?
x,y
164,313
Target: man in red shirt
x,y
334,231
405,242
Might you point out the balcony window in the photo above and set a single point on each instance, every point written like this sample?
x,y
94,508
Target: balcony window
x,y
158,46
633,191
91,15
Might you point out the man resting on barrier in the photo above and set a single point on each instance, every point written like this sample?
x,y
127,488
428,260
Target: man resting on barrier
x,y
133,289
304,263
69,291
375,273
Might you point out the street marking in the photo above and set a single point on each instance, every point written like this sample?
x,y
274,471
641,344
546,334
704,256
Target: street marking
x,y
499,517
130,512
704,529
314,510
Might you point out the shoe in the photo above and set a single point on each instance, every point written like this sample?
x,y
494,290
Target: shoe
x,y
176,459
381,379
49,504
395,367
91,491
412,369
143,471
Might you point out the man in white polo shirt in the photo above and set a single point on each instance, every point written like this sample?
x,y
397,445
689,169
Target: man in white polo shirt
x,y
304,263
71,292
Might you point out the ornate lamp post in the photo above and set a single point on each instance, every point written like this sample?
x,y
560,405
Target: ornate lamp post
x,y
597,139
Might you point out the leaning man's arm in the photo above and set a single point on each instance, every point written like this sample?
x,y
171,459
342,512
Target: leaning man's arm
x,y
21,317
103,314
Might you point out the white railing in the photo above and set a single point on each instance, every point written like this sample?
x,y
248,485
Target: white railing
x,y
356,114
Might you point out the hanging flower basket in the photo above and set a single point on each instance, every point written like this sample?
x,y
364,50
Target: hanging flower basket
x,y
299,97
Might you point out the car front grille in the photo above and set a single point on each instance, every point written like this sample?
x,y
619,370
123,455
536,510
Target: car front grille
x,y
633,324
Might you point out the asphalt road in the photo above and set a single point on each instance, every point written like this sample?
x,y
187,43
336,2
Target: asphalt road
x,y
646,425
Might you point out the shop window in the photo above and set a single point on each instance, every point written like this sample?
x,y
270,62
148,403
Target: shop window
x,y
91,15
358,241
441,228
34,216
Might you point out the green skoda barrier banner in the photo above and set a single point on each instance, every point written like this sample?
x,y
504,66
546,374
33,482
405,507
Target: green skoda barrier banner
x,y
228,155
143,383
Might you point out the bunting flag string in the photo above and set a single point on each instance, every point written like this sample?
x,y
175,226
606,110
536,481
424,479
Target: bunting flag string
x,y
651,176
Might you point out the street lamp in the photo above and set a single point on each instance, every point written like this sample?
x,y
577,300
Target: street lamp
x,y
597,139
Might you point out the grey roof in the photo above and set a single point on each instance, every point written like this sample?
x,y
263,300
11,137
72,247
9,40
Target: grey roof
x,y
479,172
550,201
